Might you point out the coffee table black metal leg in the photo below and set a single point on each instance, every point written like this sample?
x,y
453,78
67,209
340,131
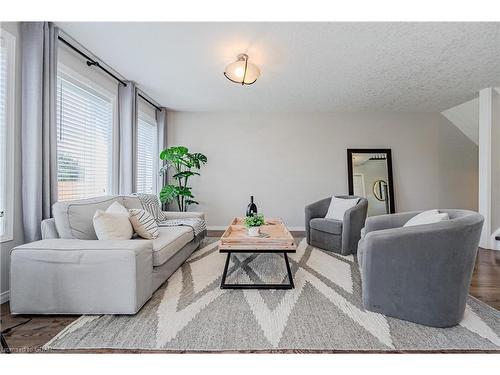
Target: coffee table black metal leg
x,y
224,285
289,271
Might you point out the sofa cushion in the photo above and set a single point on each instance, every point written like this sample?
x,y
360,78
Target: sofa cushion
x,y
74,218
327,225
169,241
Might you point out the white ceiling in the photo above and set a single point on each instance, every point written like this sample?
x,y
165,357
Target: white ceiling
x,y
305,66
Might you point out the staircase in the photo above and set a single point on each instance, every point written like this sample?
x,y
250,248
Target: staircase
x,y
496,243
465,117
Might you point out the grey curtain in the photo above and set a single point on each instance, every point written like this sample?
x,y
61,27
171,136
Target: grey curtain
x,y
127,118
39,132
161,121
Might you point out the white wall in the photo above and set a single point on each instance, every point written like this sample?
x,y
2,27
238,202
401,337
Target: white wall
x,y
14,28
495,163
289,160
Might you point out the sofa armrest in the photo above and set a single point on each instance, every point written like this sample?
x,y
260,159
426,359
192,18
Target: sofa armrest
x,y
381,222
68,276
172,215
49,230
65,244
315,210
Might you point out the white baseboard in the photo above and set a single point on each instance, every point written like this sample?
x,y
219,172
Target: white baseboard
x,y
298,229
224,227
4,297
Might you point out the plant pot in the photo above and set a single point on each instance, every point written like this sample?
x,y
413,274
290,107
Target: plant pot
x,y
254,231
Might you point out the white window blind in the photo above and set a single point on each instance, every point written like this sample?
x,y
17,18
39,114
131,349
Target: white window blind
x,y
7,82
84,140
146,154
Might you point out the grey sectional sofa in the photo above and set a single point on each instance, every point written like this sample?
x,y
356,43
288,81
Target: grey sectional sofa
x,y
71,272
421,273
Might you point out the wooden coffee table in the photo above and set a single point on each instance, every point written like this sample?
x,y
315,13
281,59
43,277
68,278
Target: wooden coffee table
x,y
275,238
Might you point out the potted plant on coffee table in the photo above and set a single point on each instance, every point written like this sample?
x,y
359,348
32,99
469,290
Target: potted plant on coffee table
x,y
253,223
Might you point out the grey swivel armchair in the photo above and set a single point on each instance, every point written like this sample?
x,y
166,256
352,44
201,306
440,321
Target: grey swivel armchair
x,y
334,235
420,273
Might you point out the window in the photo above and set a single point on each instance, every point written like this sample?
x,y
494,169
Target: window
x,y
7,86
84,139
147,154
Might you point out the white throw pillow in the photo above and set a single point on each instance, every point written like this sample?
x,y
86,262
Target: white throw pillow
x,y
113,224
338,207
425,214
427,217
144,224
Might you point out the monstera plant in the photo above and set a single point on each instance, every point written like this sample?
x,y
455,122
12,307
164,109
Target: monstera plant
x,y
185,165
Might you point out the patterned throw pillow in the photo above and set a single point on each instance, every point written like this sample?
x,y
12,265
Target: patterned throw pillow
x,y
151,203
144,224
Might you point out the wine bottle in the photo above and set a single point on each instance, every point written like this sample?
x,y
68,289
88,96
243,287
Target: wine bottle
x,y
252,208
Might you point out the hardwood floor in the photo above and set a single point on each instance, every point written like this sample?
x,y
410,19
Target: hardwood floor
x,y
485,284
30,337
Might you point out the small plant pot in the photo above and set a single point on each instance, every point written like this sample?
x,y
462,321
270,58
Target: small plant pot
x,y
254,231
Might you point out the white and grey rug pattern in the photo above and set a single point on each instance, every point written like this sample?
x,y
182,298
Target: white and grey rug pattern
x,y
324,312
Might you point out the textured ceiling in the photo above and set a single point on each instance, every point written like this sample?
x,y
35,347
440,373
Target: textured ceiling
x,y
338,67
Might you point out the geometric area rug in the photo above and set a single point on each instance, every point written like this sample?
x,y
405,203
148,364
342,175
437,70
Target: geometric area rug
x,y
324,312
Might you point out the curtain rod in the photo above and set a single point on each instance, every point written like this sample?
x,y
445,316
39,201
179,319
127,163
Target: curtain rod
x,y
92,62
149,102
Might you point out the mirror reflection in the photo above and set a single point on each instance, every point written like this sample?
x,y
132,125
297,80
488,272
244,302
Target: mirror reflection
x,y
370,177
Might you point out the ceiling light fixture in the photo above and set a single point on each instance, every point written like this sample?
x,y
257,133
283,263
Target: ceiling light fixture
x,y
242,71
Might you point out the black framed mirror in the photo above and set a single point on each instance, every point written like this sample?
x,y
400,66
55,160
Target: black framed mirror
x,y
370,176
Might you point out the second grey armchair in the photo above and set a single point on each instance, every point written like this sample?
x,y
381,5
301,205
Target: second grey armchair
x,y
420,273
334,235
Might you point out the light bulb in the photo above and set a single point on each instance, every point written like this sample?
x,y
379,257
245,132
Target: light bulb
x,y
239,71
